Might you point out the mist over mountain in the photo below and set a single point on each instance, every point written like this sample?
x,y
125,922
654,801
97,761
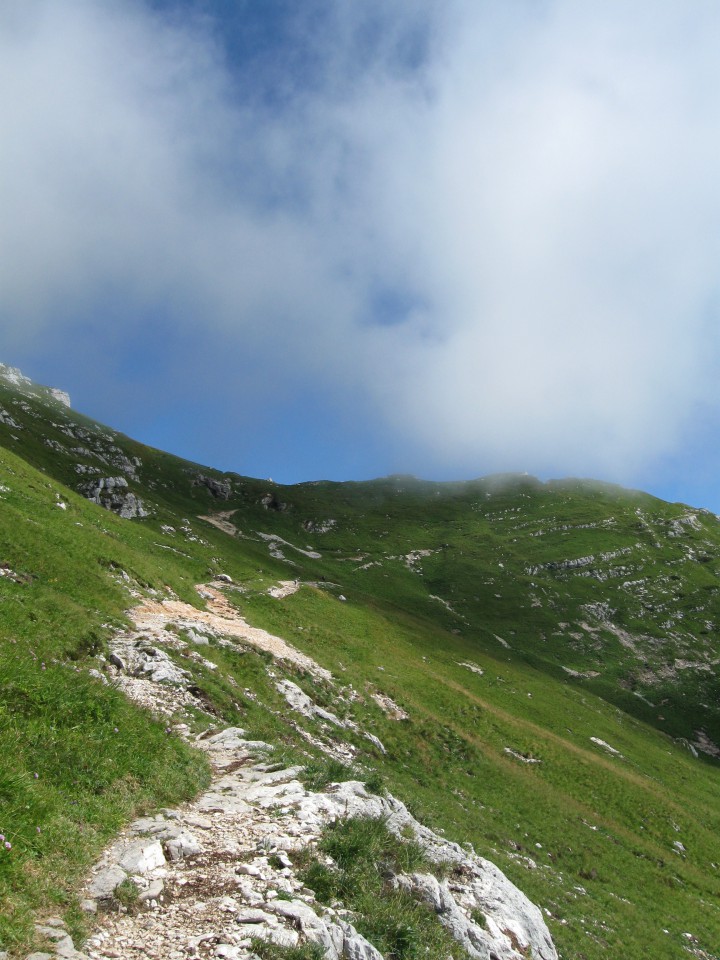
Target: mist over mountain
x,y
452,239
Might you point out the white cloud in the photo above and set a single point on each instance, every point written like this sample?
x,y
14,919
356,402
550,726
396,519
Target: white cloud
x,y
537,183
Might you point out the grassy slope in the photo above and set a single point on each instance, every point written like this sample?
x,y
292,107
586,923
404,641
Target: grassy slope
x,y
78,760
605,867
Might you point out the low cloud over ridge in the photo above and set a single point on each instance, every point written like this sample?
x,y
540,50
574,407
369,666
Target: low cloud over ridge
x,y
492,228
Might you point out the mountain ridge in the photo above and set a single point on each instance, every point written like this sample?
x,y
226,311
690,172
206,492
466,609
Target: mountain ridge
x,y
553,645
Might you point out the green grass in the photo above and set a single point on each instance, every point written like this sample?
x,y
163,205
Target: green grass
x,y
603,823
318,774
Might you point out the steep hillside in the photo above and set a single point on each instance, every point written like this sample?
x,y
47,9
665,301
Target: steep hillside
x,y
531,667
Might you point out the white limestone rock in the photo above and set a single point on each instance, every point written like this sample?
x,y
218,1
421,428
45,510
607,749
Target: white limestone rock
x,y
303,916
112,493
142,857
154,891
13,376
353,946
298,700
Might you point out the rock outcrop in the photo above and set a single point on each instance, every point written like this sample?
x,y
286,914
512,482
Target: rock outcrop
x,y
14,377
112,493
220,489
60,395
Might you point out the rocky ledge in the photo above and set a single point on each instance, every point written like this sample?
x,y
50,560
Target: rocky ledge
x,y
112,493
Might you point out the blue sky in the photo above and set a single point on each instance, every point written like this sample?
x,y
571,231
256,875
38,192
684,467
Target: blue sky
x,y
339,240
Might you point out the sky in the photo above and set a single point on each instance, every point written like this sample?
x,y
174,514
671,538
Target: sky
x,y
338,240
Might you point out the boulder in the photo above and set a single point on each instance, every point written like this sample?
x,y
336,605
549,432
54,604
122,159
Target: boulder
x,y
153,892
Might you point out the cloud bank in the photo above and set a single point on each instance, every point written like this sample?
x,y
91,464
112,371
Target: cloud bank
x,y
488,232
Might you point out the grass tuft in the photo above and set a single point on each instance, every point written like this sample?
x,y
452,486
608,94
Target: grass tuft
x,y
366,856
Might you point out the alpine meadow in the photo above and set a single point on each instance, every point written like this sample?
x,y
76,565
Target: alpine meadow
x,y
501,670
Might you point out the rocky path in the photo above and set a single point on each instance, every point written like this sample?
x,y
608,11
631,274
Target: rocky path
x,y
209,878
221,619
219,872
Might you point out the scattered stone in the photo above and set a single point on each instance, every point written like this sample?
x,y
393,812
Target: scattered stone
x,y
389,707
285,588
